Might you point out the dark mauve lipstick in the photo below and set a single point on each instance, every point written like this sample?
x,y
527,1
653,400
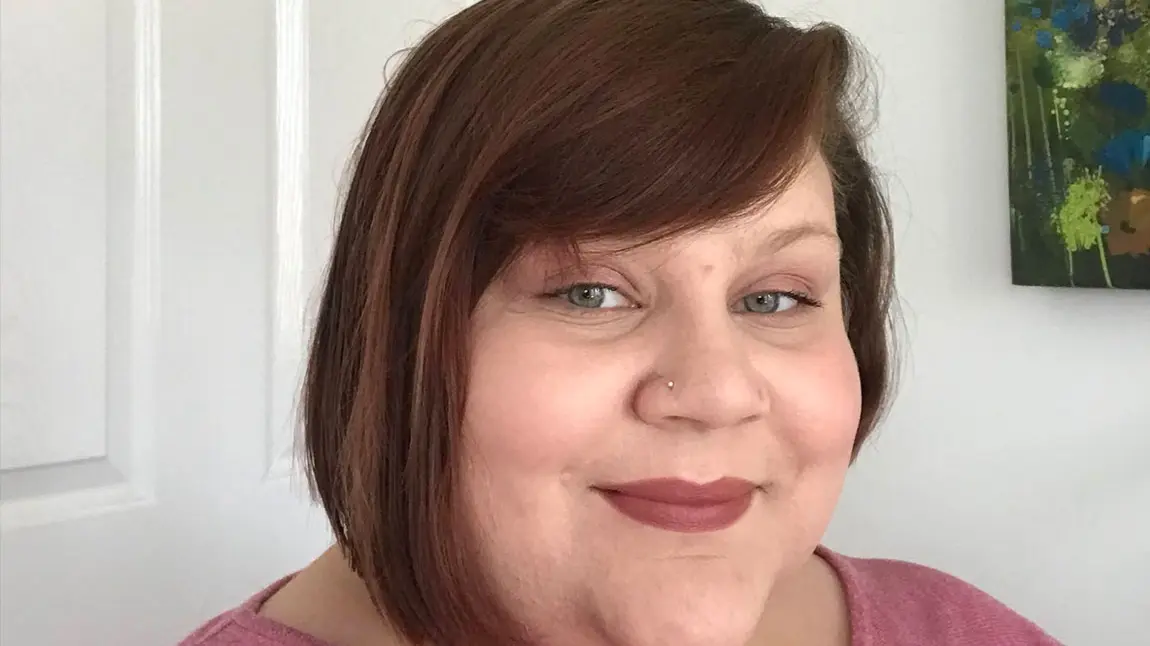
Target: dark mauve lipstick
x,y
682,506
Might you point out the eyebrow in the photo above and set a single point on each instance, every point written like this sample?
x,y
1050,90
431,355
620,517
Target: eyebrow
x,y
783,238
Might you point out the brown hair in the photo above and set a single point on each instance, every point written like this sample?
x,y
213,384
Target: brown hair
x,y
521,121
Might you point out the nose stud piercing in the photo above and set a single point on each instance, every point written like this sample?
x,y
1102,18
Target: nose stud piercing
x,y
670,385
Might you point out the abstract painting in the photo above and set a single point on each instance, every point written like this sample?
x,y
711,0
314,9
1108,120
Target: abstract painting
x,y
1078,81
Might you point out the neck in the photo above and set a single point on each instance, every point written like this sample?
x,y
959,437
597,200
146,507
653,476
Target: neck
x,y
806,608
329,601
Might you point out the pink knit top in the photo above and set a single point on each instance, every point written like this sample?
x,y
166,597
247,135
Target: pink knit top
x,y
891,603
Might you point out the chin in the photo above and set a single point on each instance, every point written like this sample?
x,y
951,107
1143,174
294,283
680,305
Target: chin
x,y
688,612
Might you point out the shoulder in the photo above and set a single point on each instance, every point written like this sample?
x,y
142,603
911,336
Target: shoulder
x,y
244,626
222,631
895,602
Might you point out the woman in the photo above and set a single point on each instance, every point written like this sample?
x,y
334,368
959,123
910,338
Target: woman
x,y
606,323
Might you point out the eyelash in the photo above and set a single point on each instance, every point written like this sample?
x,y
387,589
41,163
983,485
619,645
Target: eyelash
x,y
803,299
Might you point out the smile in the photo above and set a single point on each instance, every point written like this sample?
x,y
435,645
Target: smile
x,y
682,506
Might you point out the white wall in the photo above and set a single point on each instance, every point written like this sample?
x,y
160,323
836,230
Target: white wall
x,y
1016,454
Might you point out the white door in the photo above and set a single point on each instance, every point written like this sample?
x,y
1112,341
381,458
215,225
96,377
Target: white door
x,y
168,175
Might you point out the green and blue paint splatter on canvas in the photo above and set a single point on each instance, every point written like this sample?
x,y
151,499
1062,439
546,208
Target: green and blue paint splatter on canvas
x,y
1078,78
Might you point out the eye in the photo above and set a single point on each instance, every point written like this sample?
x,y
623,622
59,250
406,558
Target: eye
x,y
774,302
593,296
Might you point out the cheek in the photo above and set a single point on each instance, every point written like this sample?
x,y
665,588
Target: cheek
x,y
535,411
536,416
819,397
816,409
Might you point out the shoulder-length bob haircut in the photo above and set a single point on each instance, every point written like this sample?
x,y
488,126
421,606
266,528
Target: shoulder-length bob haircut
x,y
518,122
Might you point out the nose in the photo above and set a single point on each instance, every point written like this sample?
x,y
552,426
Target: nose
x,y
704,380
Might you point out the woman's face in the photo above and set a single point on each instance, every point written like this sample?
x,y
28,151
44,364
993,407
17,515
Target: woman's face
x,y
602,396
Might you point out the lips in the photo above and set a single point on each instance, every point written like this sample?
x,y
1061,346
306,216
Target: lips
x,y
682,506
